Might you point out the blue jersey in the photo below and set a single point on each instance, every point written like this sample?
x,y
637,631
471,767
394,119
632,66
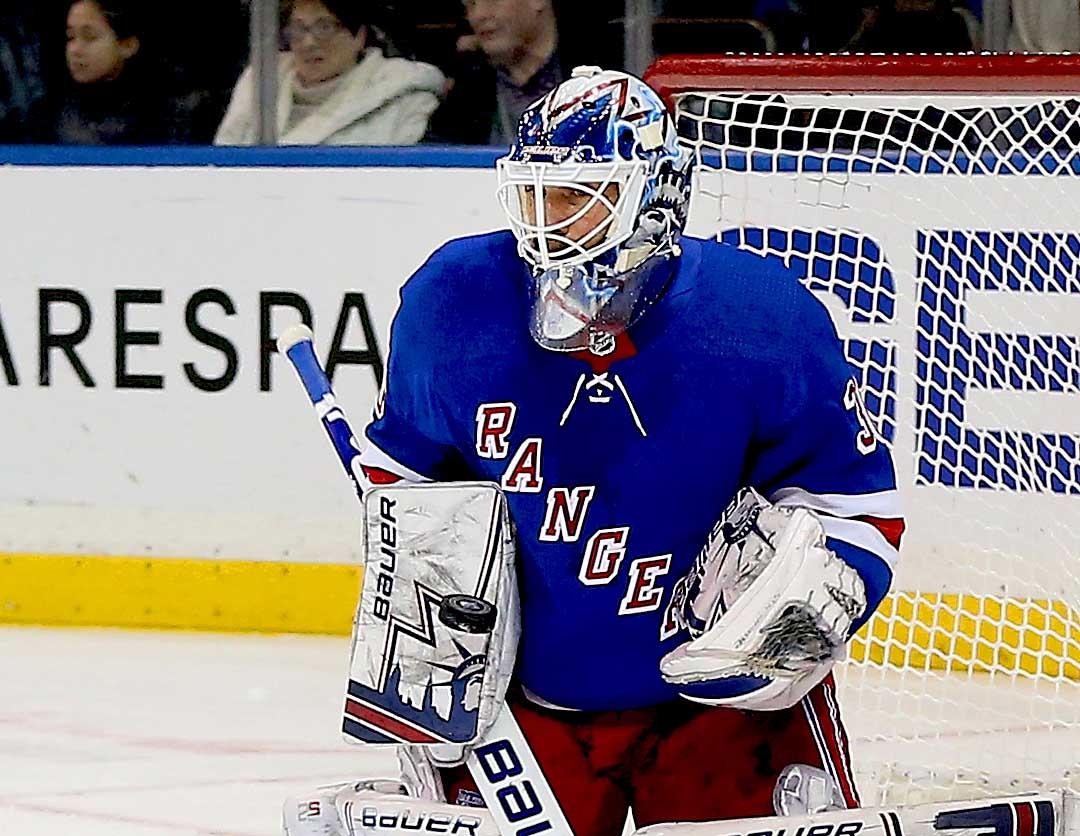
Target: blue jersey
x,y
616,468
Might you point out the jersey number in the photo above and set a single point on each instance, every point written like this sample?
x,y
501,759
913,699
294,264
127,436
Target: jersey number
x,y
866,440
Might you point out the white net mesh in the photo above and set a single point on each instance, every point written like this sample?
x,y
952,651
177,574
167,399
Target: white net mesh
x,y
943,234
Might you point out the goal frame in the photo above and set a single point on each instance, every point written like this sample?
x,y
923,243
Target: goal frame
x,y
973,74
1009,634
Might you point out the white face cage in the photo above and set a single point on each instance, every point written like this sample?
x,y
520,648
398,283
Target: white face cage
x,y
545,245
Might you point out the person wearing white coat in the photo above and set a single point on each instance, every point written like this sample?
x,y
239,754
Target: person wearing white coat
x,y
1045,26
333,89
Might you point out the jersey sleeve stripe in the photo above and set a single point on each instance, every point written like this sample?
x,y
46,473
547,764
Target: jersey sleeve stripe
x,y
865,535
373,458
880,504
378,476
891,529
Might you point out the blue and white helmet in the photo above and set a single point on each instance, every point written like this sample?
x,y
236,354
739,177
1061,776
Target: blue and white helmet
x,y
597,130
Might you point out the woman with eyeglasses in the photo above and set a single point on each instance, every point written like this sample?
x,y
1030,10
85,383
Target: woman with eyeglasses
x,y
335,88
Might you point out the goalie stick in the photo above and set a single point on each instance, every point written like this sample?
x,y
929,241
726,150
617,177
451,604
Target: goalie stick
x,y
297,344
503,766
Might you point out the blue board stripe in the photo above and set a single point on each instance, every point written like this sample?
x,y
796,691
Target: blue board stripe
x,y
483,157
188,156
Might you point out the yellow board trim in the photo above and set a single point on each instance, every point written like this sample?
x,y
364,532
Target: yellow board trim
x,y
167,593
973,633
925,631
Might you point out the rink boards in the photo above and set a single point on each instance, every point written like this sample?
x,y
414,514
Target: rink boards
x,y
163,468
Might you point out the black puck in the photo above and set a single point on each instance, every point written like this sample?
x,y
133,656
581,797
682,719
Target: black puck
x,y
467,613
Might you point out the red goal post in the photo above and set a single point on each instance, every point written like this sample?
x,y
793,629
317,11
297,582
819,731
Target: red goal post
x,y
673,75
932,203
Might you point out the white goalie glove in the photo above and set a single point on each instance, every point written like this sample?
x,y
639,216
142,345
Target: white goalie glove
x,y
769,607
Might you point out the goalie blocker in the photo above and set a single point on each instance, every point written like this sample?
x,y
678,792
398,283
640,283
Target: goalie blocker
x,y
436,627
435,638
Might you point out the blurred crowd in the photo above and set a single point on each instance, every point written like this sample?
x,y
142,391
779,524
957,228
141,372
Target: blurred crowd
x,y
363,72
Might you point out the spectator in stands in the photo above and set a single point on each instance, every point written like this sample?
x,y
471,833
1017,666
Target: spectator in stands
x,y
813,25
865,25
512,56
22,87
1045,26
203,79
337,88
911,26
112,97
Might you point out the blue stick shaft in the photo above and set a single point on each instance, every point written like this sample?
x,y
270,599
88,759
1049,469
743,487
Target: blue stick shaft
x,y
307,365
301,353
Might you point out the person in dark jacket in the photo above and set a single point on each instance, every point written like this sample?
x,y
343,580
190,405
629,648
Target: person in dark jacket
x,y
864,26
912,26
112,96
513,55
22,86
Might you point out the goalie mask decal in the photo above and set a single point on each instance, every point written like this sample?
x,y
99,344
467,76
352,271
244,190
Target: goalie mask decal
x,y
596,188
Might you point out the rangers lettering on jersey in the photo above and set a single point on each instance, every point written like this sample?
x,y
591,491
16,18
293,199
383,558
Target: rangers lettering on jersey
x,y
494,421
867,439
523,473
642,595
566,509
603,556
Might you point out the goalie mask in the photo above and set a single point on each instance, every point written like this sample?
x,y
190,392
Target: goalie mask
x,y
596,189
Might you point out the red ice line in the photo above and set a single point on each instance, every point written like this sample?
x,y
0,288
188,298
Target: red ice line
x,y
172,785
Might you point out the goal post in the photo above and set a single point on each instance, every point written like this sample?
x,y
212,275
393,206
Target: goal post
x,y
932,203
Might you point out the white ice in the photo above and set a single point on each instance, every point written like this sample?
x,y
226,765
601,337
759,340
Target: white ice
x,y
165,734
172,734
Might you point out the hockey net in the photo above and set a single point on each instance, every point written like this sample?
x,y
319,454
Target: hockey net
x,y
932,203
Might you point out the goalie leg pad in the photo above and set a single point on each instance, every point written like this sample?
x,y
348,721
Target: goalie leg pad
x,y
437,624
1043,814
405,804
353,810
394,772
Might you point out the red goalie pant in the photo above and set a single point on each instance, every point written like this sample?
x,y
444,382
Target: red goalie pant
x,y
679,761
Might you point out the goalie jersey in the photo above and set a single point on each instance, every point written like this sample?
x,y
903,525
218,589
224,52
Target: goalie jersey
x,y
617,462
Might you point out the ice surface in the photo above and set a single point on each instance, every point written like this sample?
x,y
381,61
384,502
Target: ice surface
x,y
155,733
171,734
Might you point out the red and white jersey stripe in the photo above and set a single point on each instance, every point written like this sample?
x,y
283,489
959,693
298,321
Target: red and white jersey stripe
x,y
871,521
378,468
831,739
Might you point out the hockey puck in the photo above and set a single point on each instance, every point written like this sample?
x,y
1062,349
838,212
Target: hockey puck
x,y
467,613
